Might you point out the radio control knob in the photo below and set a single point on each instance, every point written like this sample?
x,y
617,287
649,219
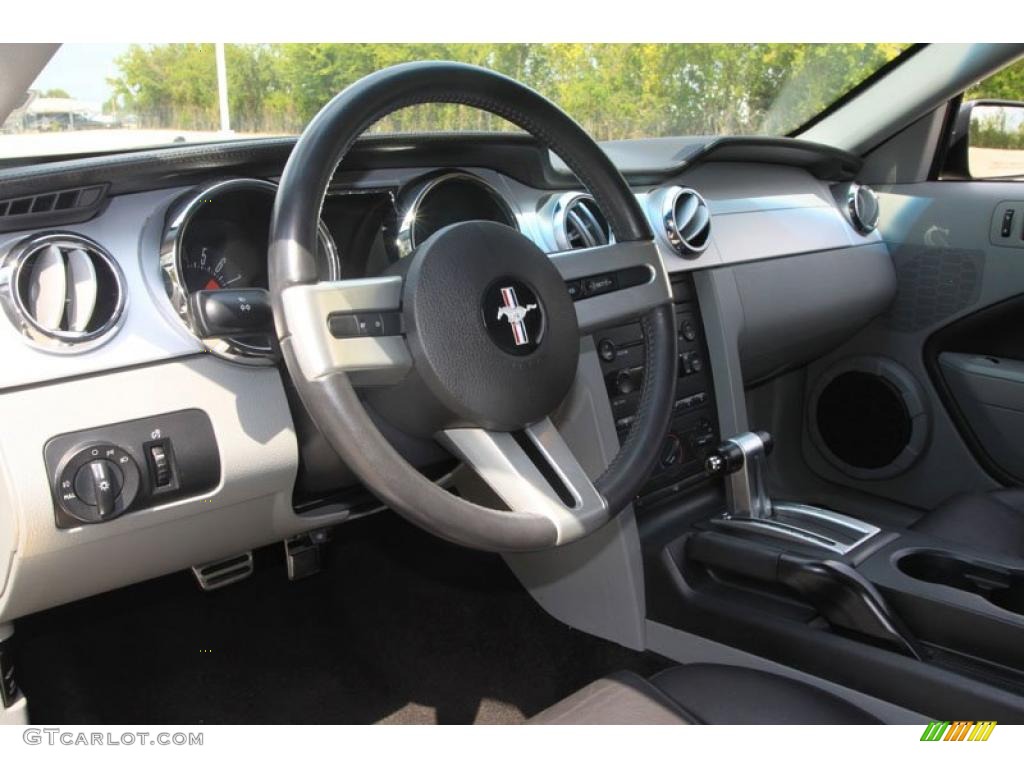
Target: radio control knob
x,y
671,451
625,382
606,349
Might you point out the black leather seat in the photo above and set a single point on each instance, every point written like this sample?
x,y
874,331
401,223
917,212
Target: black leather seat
x,y
702,693
992,522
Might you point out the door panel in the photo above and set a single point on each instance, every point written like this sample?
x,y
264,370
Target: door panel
x,y
959,292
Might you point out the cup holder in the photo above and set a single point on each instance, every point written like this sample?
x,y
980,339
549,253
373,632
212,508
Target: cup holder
x,y
1002,587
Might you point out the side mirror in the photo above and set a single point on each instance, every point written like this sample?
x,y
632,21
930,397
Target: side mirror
x,y
987,141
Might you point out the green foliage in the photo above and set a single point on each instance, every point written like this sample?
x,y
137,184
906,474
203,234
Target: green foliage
x,y
995,132
56,93
1007,83
992,128
613,90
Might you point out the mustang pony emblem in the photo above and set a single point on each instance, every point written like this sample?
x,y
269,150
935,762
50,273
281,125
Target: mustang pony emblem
x,y
515,313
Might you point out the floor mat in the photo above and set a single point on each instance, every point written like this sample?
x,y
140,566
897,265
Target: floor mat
x,y
400,627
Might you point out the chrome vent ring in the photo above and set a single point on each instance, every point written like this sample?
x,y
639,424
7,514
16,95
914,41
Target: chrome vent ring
x,y
579,223
686,220
63,291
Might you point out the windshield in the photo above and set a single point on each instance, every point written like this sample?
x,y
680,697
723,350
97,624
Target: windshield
x,y
102,97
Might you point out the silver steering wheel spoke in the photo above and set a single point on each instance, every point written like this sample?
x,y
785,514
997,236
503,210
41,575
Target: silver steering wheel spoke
x,y
533,471
640,260
350,326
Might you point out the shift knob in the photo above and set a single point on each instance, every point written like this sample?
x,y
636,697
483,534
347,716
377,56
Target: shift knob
x,y
729,456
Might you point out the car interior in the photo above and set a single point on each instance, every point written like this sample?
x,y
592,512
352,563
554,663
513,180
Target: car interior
x,y
518,427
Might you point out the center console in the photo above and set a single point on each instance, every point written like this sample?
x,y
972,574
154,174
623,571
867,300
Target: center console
x,y
898,614
693,432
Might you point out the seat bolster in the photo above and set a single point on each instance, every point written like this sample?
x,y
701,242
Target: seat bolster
x,y
623,698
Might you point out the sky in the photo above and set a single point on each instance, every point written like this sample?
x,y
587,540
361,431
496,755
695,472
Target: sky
x,y
82,70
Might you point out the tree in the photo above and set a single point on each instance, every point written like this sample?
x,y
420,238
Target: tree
x,y
614,90
56,93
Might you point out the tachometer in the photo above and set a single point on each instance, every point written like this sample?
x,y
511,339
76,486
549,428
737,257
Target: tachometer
x,y
218,239
219,255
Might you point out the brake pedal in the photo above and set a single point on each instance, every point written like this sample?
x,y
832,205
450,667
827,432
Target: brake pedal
x,y
220,573
302,554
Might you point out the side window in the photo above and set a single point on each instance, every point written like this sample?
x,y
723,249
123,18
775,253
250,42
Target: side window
x,y
987,141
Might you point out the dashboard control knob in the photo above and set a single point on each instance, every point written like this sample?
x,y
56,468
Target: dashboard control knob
x,y
625,382
606,349
99,484
671,452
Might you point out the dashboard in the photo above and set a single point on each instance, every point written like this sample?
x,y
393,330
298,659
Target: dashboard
x,y
102,260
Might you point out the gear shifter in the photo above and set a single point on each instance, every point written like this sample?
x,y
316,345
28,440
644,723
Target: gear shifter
x,y
743,462
742,459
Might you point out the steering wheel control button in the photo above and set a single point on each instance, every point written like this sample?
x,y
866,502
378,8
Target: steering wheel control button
x,y
370,324
595,286
688,330
343,326
351,325
514,316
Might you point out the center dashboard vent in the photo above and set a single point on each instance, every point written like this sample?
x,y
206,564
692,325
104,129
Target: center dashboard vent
x,y
579,223
62,291
685,218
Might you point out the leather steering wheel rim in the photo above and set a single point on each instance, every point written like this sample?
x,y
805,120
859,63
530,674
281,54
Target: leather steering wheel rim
x,y
327,391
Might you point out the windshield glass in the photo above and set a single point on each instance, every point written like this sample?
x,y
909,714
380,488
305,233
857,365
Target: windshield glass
x,y
101,97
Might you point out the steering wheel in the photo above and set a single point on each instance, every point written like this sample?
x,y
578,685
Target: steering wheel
x,y
474,332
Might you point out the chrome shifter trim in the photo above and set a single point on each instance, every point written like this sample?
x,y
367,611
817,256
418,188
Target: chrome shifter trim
x,y
807,525
746,490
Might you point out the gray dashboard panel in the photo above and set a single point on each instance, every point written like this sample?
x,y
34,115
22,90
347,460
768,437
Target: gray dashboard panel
x,y
129,229
797,309
250,507
154,366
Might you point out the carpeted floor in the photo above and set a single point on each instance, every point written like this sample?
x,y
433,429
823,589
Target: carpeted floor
x,y
399,627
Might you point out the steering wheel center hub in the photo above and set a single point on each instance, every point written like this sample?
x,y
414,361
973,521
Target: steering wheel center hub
x,y
514,316
490,325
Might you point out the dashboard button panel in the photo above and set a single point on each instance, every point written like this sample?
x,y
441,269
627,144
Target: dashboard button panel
x,y
693,431
102,473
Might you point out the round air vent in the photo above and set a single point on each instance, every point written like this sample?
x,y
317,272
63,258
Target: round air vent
x,y
579,223
63,291
686,220
862,207
867,417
